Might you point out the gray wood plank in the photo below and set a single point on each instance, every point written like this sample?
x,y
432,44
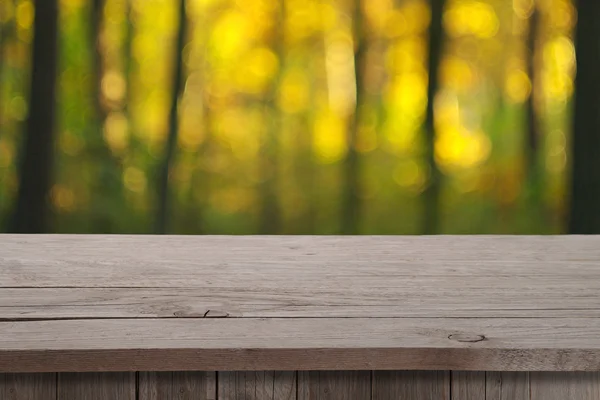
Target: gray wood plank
x,y
28,386
334,385
79,276
519,344
97,386
194,385
507,386
381,296
411,385
257,385
565,385
468,385
155,385
224,261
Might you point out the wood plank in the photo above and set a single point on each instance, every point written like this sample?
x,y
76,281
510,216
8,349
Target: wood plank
x,y
78,276
468,385
28,386
561,386
507,386
411,385
97,386
257,385
183,385
155,385
334,385
484,296
518,344
224,261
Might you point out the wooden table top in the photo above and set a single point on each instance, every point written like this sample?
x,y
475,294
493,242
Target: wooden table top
x,y
125,303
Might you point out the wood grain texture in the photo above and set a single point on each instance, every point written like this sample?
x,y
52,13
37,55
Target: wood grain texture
x,y
79,276
28,386
162,303
561,386
185,385
468,385
507,386
97,386
411,385
257,385
291,344
334,385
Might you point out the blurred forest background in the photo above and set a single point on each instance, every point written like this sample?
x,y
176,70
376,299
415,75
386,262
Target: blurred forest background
x,y
299,116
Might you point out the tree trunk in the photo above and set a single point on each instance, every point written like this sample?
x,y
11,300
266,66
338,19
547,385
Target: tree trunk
x,y
32,209
351,195
432,192
585,172
177,87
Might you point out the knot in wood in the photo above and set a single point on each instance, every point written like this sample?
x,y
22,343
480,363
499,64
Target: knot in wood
x,y
466,338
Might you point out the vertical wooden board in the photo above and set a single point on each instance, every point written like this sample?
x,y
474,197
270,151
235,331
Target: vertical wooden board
x,y
565,385
411,385
507,386
28,386
256,385
194,386
334,385
97,386
177,386
155,386
468,385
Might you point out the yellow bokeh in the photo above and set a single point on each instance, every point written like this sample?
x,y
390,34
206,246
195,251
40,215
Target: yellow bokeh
x,y
456,74
471,18
24,14
560,52
457,147
257,70
113,86
116,132
557,86
294,92
406,55
400,133
416,16
134,179
329,139
523,8
408,93
230,35
409,174
303,19
518,86
563,15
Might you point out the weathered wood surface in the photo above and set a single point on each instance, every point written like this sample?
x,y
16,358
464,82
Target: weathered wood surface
x,y
114,303
177,386
315,385
414,385
28,387
289,344
267,385
96,386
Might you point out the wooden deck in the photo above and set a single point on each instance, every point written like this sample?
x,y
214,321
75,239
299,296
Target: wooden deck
x,y
111,317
